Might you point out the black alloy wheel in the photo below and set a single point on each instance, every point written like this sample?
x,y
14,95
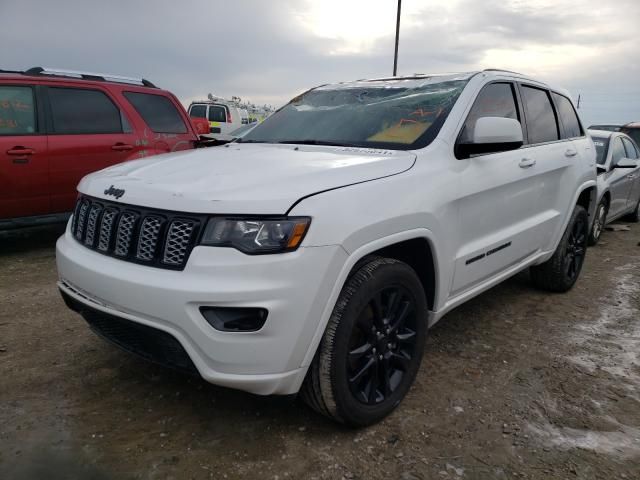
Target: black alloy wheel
x,y
575,249
382,345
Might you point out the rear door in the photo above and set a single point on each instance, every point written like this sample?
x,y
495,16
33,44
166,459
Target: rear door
x,y
87,132
632,174
218,116
498,198
24,164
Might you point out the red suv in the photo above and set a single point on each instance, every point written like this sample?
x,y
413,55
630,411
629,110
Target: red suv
x,y
57,126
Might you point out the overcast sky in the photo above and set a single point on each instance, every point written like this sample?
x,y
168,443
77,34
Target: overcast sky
x,y
267,51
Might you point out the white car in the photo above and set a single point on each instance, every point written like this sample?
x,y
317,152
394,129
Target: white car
x,y
223,116
618,159
312,255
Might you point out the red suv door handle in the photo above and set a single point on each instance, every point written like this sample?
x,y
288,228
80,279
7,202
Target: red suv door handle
x,y
122,147
20,151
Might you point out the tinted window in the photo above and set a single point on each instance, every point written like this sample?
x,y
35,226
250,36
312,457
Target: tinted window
x,y
630,148
158,112
495,100
83,111
602,144
217,114
568,116
17,111
617,152
541,121
633,133
198,111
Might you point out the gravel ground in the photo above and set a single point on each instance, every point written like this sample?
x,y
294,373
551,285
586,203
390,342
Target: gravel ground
x,y
516,383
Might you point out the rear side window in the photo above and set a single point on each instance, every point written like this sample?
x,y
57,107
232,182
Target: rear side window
x,y
633,133
217,113
495,100
618,151
541,121
157,111
568,116
83,111
630,148
198,111
17,111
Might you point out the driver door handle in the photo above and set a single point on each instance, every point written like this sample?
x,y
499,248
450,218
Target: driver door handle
x,y
20,151
527,163
570,152
122,147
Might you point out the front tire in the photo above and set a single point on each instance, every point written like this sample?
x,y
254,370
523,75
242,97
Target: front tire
x,y
635,216
560,272
372,347
599,223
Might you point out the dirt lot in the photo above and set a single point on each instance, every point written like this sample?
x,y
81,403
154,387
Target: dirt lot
x,y
515,384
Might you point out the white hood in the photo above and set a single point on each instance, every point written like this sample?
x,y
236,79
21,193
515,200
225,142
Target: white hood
x,y
240,179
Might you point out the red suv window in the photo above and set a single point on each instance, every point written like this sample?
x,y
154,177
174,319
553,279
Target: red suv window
x,y
17,111
158,112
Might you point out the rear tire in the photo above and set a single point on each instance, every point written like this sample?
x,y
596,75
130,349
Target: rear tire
x,y
372,347
599,223
560,272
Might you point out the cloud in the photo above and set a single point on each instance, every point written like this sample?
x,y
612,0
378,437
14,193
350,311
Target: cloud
x,y
269,51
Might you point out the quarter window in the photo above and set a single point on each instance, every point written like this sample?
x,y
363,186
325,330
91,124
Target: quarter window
x,y
495,100
568,116
17,111
157,111
217,114
83,111
632,152
541,120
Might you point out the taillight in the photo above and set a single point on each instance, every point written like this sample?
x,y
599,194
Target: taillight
x,y
228,116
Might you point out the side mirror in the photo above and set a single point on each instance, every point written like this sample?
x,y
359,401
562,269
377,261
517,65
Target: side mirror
x,y
626,163
491,135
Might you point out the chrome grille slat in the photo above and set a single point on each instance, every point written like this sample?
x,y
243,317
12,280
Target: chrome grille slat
x,y
148,238
178,240
151,237
92,221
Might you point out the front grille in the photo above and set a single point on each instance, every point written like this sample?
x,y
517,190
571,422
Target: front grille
x,y
150,343
158,238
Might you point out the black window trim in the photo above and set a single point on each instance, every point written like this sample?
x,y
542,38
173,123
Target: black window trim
x,y
527,143
186,121
561,123
519,111
49,110
37,110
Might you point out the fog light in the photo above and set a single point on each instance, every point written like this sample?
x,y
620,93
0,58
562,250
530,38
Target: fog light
x,y
231,319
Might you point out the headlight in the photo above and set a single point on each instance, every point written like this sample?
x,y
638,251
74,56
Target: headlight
x,y
254,235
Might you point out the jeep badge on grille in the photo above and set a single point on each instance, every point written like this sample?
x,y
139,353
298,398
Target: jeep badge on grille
x,y
115,192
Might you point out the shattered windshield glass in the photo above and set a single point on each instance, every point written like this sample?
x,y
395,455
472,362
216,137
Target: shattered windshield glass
x,y
400,114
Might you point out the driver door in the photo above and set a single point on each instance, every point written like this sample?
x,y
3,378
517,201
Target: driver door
x,y
619,179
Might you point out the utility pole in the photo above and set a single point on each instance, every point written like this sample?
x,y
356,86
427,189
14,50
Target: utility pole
x,y
395,56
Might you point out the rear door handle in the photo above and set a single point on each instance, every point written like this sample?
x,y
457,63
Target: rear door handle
x,y
122,147
570,152
527,162
20,151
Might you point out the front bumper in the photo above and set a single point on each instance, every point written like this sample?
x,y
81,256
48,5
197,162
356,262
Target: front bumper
x,y
294,287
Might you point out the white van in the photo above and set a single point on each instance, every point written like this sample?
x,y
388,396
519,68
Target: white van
x,y
223,116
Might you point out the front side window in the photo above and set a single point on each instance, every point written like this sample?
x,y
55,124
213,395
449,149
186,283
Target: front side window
x,y
630,149
83,111
617,152
157,111
198,111
541,121
602,145
217,113
398,114
633,133
568,116
17,111
495,100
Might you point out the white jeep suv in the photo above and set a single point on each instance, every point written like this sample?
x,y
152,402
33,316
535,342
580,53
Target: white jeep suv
x,y
313,254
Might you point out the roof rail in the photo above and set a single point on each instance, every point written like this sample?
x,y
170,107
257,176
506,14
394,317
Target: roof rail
x,y
105,77
501,70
